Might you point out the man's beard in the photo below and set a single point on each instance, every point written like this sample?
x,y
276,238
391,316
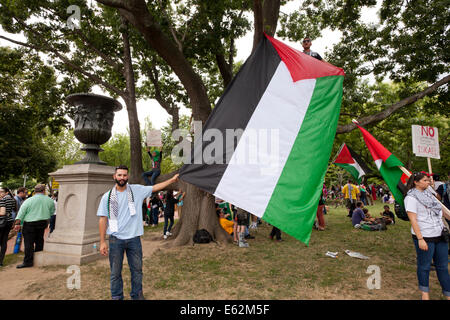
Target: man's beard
x,y
121,183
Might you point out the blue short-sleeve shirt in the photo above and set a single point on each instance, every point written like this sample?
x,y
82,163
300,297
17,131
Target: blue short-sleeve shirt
x,y
357,216
128,226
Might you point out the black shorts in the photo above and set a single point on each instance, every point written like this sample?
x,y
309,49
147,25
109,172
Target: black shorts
x,y
242,219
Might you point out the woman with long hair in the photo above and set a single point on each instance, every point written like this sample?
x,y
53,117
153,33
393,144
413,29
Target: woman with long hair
x,y
427,228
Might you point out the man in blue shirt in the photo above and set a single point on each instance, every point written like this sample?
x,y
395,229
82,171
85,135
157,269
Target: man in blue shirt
x,y
358,215
120,213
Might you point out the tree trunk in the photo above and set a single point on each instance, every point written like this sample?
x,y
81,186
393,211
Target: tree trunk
x,y
139,16
198,213
136,168
265,13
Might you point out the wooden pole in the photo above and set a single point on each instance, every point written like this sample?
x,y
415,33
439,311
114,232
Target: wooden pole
x,y
429,165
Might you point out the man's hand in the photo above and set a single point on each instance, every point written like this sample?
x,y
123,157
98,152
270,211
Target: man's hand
x,y
103,249
17,227
175,178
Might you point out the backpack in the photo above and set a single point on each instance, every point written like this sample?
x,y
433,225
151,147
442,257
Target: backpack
x,y
202,236
400,211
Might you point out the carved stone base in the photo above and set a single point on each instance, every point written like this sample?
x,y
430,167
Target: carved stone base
x,y
81,187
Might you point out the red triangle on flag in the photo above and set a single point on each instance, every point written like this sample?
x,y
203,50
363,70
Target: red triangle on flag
x,y
302,66
344,156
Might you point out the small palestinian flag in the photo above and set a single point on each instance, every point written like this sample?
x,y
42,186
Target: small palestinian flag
x,y
352,162
387,164
287,98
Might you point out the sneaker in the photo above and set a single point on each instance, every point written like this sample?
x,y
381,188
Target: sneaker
x,y
165,237
243,244
169,233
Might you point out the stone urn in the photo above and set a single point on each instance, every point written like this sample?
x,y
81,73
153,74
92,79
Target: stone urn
x,y
94,117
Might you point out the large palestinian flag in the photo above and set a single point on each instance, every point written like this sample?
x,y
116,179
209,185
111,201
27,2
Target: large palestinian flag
x,y
287,105
387,164
349,160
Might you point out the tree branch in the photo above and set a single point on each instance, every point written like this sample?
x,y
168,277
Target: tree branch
x,y
67,61
119,4
152,74
225,69
171,28
105,57
394,107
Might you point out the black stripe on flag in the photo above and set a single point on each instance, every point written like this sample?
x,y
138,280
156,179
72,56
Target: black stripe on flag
x,y
233,111
358,159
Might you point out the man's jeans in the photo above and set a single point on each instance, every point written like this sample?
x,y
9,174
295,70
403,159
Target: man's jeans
x,y
438,252
153,174
133,249
166,222
155,215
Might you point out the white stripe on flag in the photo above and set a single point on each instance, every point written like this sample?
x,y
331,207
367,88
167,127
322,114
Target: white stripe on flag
x,y
378,163
279,116
358,168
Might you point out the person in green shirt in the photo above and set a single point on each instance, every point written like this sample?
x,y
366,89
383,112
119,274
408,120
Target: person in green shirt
x,y
35,213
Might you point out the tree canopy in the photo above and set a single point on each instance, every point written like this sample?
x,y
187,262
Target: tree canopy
x,y
30,108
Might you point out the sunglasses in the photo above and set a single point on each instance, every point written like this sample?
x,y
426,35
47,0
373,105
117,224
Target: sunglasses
x,y
304,41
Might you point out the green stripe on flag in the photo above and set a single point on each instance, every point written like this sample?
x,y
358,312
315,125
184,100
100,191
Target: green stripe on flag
x,y
393,161
294,201
391,175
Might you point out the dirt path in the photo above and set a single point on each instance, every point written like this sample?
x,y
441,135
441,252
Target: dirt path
x,y
16,281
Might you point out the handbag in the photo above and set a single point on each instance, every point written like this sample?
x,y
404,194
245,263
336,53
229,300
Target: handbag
x,y
445,234
3,221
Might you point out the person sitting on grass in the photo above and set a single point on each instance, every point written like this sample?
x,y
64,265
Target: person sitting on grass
x,y
367,214
358,215
226,224
387,215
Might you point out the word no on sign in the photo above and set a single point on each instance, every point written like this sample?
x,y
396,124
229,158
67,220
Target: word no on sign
x,y
425,141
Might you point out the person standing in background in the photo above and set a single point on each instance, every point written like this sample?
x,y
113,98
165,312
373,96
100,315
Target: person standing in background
x,y
7,205
34,215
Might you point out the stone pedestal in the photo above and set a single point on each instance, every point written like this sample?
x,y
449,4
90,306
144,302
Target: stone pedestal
x,y
81,187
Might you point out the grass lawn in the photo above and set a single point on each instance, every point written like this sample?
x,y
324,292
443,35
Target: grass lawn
x,y
269,269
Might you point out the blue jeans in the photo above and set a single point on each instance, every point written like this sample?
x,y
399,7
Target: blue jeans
x,y
438,252
133,249
154,173
364,199
166,220
155,214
